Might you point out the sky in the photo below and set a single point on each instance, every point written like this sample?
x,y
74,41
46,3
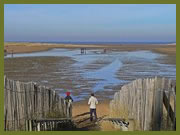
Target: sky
x,y
90,22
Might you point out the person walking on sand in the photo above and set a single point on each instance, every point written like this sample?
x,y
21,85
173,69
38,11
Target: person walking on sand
x,y
93,102
69,101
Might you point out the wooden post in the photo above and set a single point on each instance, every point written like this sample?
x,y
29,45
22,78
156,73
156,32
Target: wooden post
x,y
158,110
26,125
38,127
5,52
45,126
50,125
168,105
174,121
30,125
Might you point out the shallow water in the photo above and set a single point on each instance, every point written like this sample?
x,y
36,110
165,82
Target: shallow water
x,y
107,72
106,75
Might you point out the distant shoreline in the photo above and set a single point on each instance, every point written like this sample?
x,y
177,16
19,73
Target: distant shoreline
x,y
98,43
24,47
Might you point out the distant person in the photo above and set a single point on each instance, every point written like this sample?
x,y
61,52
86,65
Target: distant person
x,y
68,98
104,50
93,102
69,101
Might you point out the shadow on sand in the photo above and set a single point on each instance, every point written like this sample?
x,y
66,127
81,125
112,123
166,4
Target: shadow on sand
x,y
82,122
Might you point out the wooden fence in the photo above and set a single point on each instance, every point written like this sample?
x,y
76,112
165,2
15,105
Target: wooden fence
x,y
150,102
25,101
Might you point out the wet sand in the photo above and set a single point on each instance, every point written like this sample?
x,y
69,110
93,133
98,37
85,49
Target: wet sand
x,y
66,69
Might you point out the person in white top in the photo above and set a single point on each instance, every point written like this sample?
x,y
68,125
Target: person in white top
x,y
93,102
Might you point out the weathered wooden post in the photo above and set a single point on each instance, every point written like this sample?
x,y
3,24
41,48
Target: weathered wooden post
x,y
45,126
174,121
168,105
30,125
26,125
38,127
5,52
158,110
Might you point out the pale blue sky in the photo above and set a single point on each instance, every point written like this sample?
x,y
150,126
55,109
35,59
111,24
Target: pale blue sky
x,y
94,22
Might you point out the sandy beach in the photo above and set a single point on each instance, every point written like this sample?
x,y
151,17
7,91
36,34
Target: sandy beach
x,y
83,107
81,116
57,66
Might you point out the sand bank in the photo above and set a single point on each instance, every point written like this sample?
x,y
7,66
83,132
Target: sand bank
x,y
35,47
